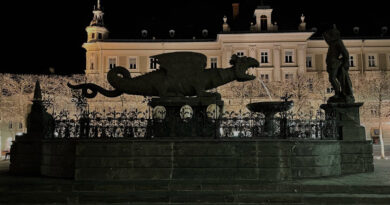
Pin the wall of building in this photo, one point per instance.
(275, 70)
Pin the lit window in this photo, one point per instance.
(264, 77)
(132, 63)
(112, 63)
(351, 61)
(329, 90)
(289, 77)
(288, 57)
(310, 85)
(309, 61)
(264, 57)
(263, 23)
(214, 62)
(153, 63)
(371, 61)
(240, 54)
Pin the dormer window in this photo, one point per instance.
(264, 22)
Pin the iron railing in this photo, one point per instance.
(137, 124)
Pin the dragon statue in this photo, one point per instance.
(180, 74)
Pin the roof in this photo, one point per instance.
(263, 7)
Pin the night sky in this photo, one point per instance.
(50, 33)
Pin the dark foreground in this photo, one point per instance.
(366, 188)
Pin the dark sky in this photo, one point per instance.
(51, 33)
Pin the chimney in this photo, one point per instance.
(236, 9)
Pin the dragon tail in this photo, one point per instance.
(90, 90)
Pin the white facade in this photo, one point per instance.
(283, 56)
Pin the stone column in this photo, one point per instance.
(301, 58)
(276, 62)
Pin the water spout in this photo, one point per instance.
(265, 88)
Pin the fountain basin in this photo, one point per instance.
(270, 107)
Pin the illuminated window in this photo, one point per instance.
(153, 63)
(132, 63)
(264, 77)
(263, 22)
(309, 61)
(264, 57)
(371, 61)
(240, 53)
(289, 77)
(214, 62)
(288, 57)
(111, 63)
(351, 61)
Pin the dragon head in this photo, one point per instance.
(241, 65)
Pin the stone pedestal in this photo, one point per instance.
(26, 154)
(347, 118)
(199, 125)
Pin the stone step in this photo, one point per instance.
(33, 186)
(189, 197)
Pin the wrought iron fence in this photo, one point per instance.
(137, 124)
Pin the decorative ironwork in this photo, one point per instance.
(137, 124)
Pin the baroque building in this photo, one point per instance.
(284, 56)
(291, 62)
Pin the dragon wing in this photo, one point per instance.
(180, 64)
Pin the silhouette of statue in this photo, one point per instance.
(337, 62)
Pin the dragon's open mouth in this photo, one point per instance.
(245, 70)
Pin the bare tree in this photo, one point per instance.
(376, 91)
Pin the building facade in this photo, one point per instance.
(283, 56)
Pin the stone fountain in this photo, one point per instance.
(177, 153)
(269, 110)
